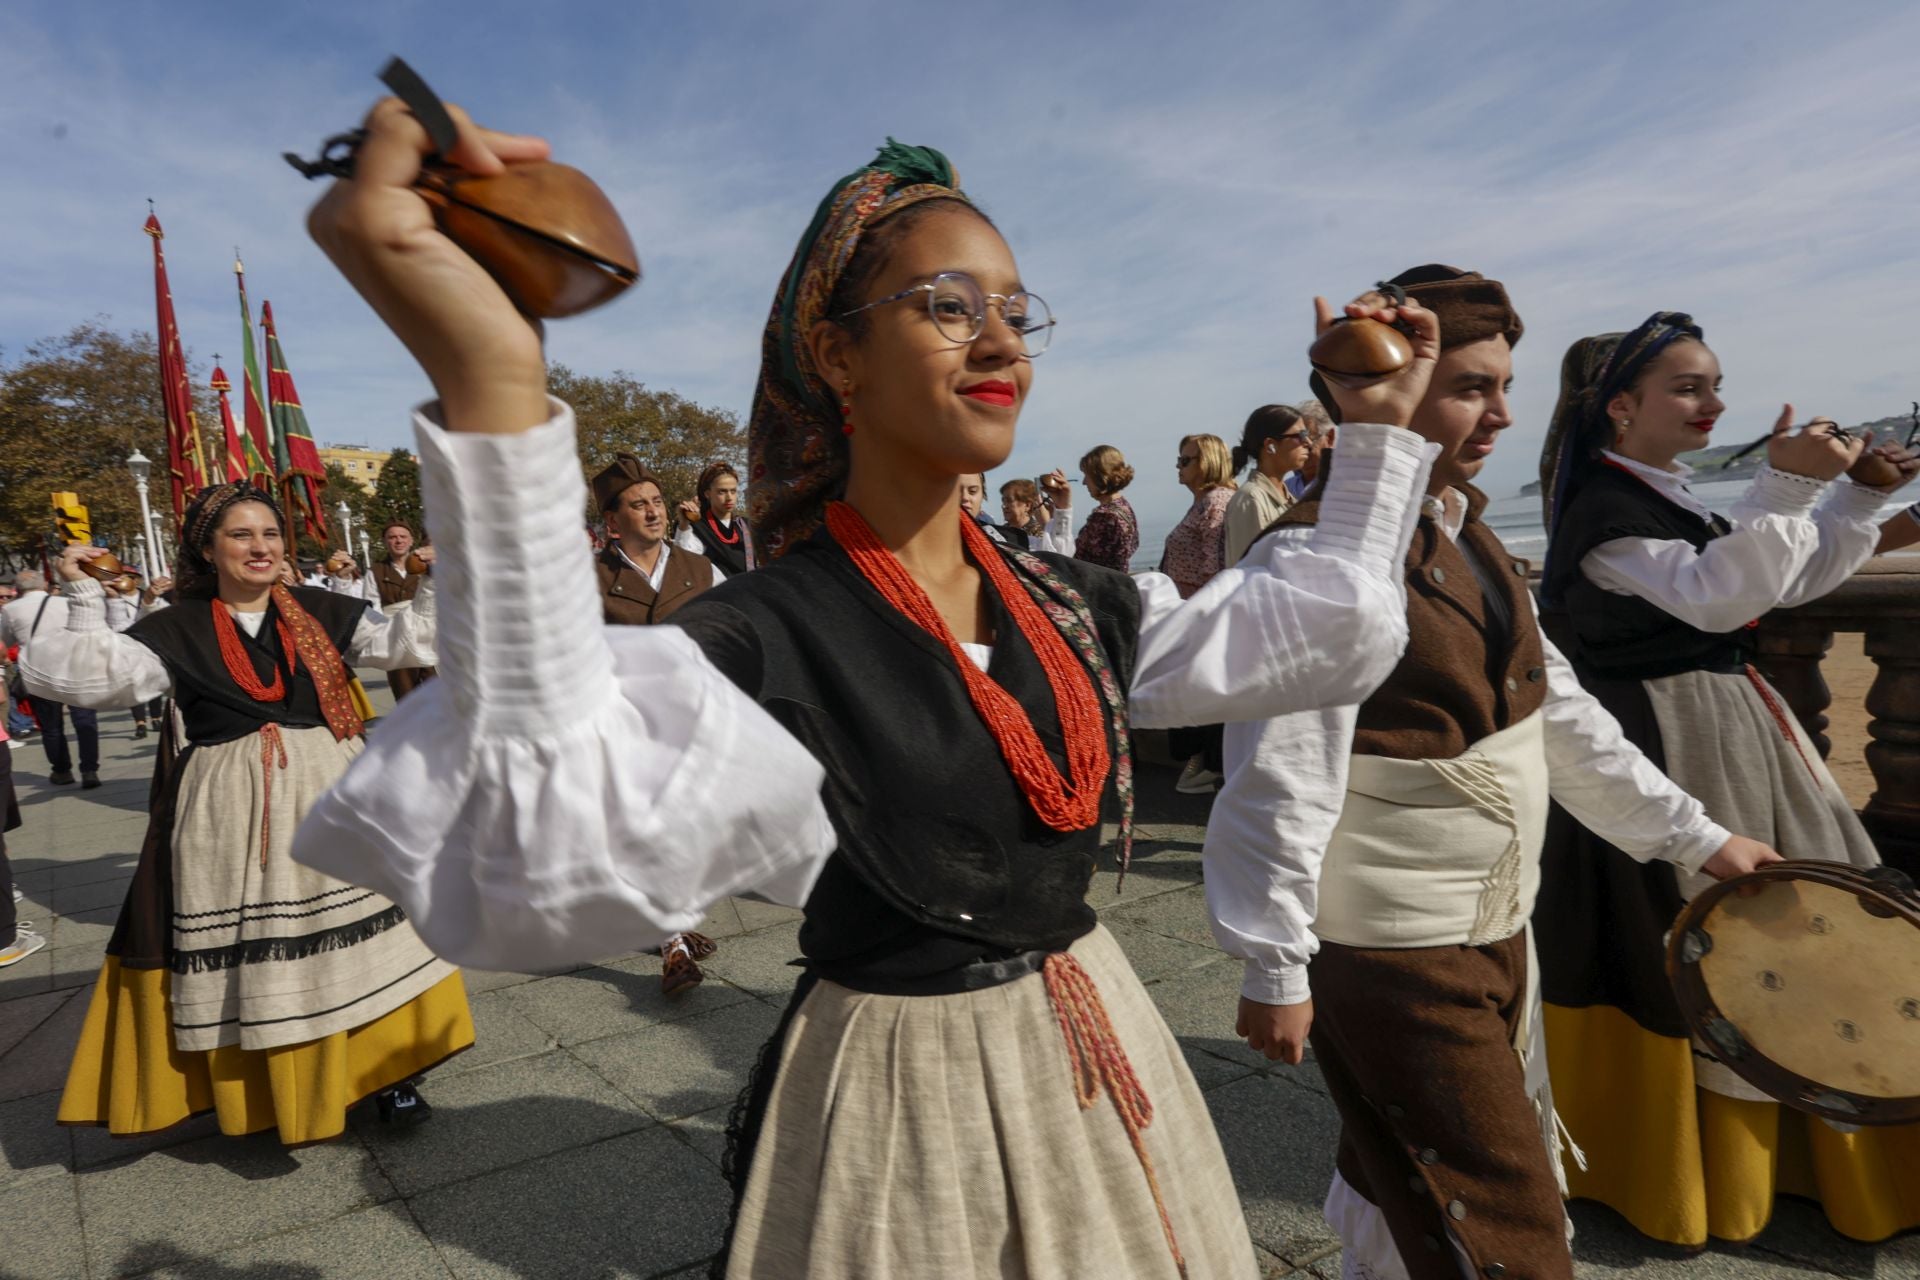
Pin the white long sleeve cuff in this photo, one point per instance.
(1300, 622)
(88, 664)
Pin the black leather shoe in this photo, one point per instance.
(140, 730)
(61, 777)
(88, 781)
(402, 1105)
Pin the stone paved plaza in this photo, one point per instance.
(581, 1136)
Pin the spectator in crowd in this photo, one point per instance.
(1274, 443)
(1195, 551)
(1047, 524)
(644, 579)
(17, 940)
(1111, 534)
(36, 611)
(397, 583)
(713, 527)
(1319, 426)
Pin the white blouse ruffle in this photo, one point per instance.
(569, 790)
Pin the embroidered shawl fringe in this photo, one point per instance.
(257, 950)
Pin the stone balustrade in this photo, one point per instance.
(1881, 601)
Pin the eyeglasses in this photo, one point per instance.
(958, 307)
(1185, 461)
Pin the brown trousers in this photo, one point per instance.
(1437, 1129)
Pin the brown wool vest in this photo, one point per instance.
(628, 599)
(1460, 679)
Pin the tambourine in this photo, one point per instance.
(1356, 350)
(545, 232)
(1809, 988)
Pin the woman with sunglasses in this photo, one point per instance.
(1274, 443)
(969, 1081)
(1660, 595)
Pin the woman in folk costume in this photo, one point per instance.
(1659, 597)
(236, 980)
(713, 526)
(969, 1081)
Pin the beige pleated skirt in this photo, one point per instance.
(942, 1137)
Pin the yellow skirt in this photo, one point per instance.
(127, 1075)
(362, 704)
(1682, 1163)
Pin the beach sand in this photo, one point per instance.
(1849, 673)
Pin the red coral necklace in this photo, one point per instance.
(233, 651)
(1065, 804)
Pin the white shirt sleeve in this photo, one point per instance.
(1609, 785)
(388, 642)
(1780, 552)
(1286, 782)
(566, 790)
(1295, 625)
(1057, 537)
(87, 664)
(687, 541)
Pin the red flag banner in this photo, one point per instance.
(300, 467)
(186, 472)
(258, 442)
(236, 454)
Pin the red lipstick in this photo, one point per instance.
(1702, 424)
(994, 392)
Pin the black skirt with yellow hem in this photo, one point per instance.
(1679, 1161)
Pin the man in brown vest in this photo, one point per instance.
(1376, 865)
(643, 579)
(396, 584)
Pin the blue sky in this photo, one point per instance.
(1177, 181)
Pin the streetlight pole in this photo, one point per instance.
(141, 467)
(140, 556)
(346, 527)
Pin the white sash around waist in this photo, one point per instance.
(1433, 853)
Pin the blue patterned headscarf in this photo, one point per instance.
(1595, 370)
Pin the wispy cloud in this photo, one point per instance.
(1177, 183)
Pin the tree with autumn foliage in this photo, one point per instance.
(72, 408)
(674, 436)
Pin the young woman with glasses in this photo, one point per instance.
(938, 726)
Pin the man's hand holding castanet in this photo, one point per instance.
(483, 356)
(1392, 398)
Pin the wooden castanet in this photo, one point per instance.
(106, 567)
(338, 563)
(415, 564)
(1356, 350)
(544, 231)
(1874, 471)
